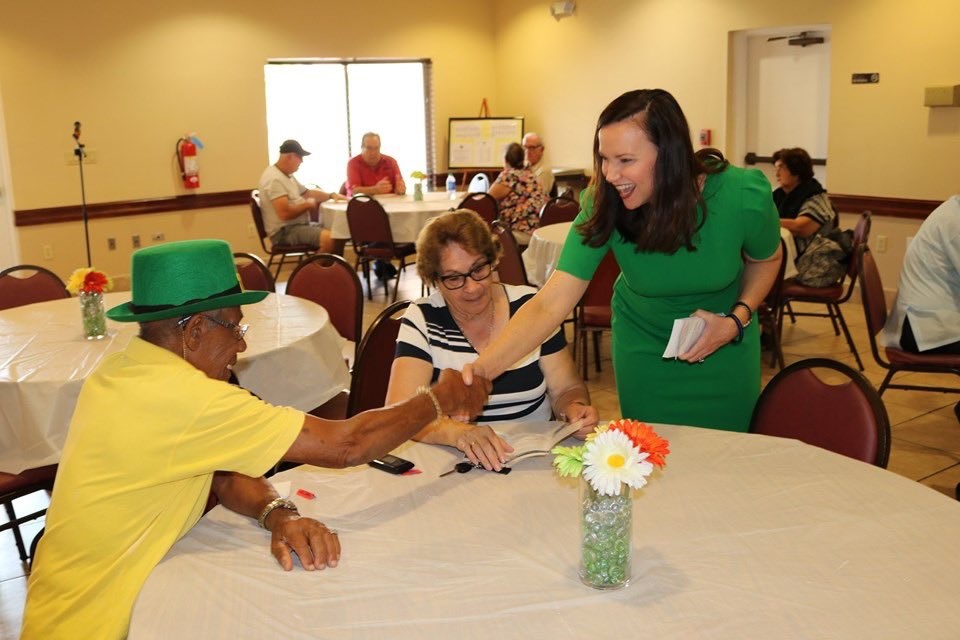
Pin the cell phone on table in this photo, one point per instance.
(391, 464)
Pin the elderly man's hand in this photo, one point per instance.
(317, 546)
(456, 398)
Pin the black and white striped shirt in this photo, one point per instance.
(429, 332)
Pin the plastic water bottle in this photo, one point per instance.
(451, 187)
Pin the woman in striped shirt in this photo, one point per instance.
(458, 255)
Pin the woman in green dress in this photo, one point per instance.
(693, 236)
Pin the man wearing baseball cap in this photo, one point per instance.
(287, 205)
(157, 428)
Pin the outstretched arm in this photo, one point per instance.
(530, 326)
(345, 443)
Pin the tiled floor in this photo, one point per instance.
(926, 436)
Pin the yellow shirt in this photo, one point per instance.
(147, 435)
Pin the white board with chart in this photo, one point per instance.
(479, 142)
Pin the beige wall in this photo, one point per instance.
(882, 140)
(141, 76)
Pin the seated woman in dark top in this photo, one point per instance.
(805, 210)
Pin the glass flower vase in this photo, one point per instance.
(418, 190)
(605, 547)
(93, 315)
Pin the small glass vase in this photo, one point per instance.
(418, 191)
(605, 547)
(93, 315)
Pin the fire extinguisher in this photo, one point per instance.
(187, 159)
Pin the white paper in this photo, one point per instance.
(686, 331)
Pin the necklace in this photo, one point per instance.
(493, 314)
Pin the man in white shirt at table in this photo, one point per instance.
(533, 159)
(287, 205)
(157, 428)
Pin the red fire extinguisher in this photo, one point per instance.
(187, 159)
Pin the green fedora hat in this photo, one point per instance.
(181, 278)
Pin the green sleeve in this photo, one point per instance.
(761, 222)
(578, 259)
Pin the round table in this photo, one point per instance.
(540, 258)
(294, 357)
(407, 216)
(740, 536)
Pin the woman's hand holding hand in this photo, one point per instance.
(719, 331)
(482, 445)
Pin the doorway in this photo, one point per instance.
(780, 95)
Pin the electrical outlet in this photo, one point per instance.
(136, 242)
(48, 252)
(112, 244)
(158, 237)
(881, 244)
(251, 231)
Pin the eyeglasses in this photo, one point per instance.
(239, 330)
(457, 280)
(532, 146)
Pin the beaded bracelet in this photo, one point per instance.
(427, 391)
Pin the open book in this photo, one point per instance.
(531, 439)
(528, 439)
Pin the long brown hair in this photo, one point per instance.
(668, 220)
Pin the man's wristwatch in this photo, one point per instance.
(279, 503)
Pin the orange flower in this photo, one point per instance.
(645, 439)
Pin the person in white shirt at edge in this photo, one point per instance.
(287, 205)
(533, 158)
(926, 313)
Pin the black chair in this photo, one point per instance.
(897, 360)
(558, 210)
(767, 311)
(275, 251)
(254, 274)
(846, 417)
(832, 296)
(484, 204)
(371, 372)
(27, 283)
(510, 269)
(13, 486)
(373, 240)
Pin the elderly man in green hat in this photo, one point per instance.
(157, 427)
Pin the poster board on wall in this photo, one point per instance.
(479, 142)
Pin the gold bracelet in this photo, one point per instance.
(427, 391)
(278, 503)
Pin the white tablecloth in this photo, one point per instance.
(540, 258)
(293, 357)
(407, 216)
(741, 536)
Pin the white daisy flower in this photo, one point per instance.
(611, 459)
